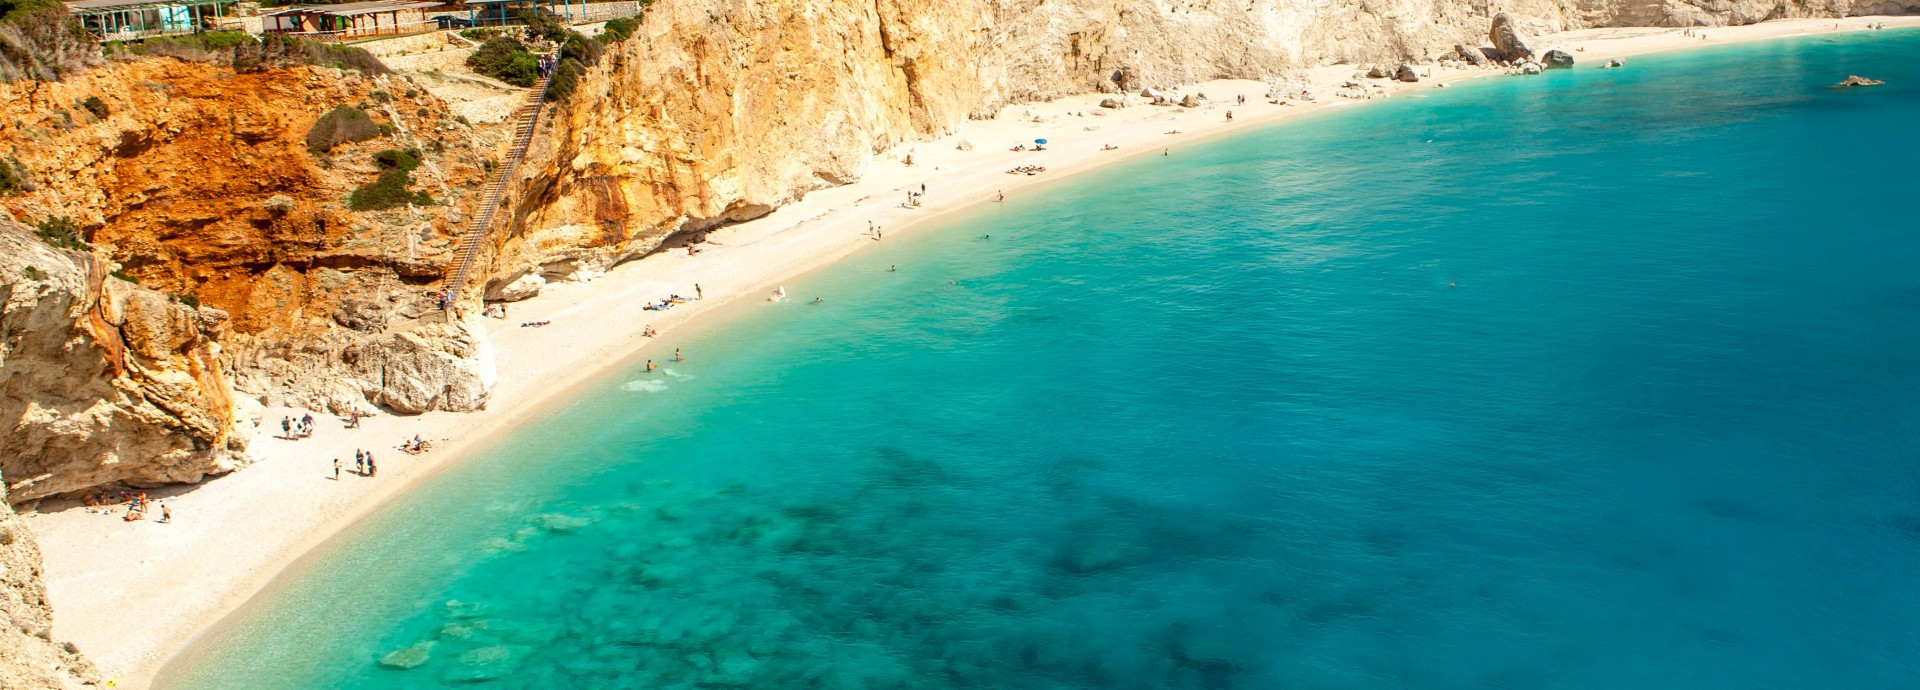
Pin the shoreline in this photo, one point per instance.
(134, 596)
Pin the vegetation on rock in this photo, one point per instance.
(338, 126)
(37, 42)
(98, 107)
(61, 232)
(390, 189)
(507, 60)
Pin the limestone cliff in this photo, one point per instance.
(102, 380)
(29, 658)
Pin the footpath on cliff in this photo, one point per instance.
(231, 536)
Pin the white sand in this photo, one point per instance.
(132, 595)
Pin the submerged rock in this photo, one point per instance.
(485, 664)
(411, 656)
(1855, 80)
(1557, 59)
(1617, 62)
(561, 524)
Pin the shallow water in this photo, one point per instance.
(1603, 379)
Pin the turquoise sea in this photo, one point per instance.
(1600, 379)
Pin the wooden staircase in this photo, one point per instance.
(526, 120)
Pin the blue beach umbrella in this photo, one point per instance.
(1040, 141)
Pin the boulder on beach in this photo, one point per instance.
(1530, 67)
(1856, 80)
(1557, 59)
(1472, 54)
(964, 145)
(1378, 72)
(1407, 73)
(1506, 39)
(1190, 102)
(1110, 103)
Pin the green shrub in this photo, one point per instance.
(123, 276)
(339, 126)
(390, 188)
(566, 77)
(507, 60)
(61, 232)
(39, 42)
(479, 34)
(13, 176)
(544, 26)
(32, 273)
(98, 107)
(380, 96)
(618, 30)
(286, 51)
(190, 301)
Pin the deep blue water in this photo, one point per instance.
(1601, 379)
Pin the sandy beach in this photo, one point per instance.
(132, 595)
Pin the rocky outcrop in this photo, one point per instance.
(1556, 59)
(1855, 80)
(102, 380)
(29, 657)
(442, 366)
(1406, 73)
(1507, 41)
(1473, 55)
(198, 182)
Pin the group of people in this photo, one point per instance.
(291, 428)
(1028, 170)
(135, 501)
(669, 302)
(414, 446)
(496, 310)
(363, 464)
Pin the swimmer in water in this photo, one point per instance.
(650, 365)
(677, 357)
(818, 300)
(891, 268)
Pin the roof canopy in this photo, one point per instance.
(97, 6)
(350, 9)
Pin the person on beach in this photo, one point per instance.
(286, 428)
(698, 293)
(372, 469)
(1164, 152)
(336, 469)
(1003, 196)
(359, 464)
(166, 514)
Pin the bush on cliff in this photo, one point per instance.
(98, 107)
(618, 30)
(13, 176)
(339, 126)
(507, 60)
(61, 232)
(37, 42)
(284, 51)
(575, 55)
(390, 189)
